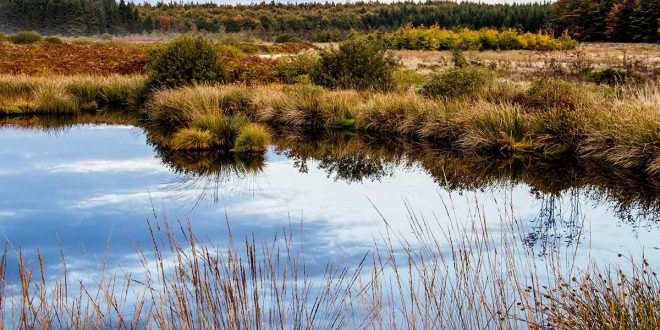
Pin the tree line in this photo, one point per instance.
(74, 17)
(590, 20)
(611, 20)
(330, 21)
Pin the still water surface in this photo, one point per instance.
(89, 185)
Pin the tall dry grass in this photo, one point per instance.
(457, 275)
(68, 94)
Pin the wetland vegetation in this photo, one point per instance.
(506, 109)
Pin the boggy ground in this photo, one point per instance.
(548, 117)
(85, 57)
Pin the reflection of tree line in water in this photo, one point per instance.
(354, 158)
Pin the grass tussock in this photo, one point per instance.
(457, 81)
(192, 139)
(609, 299)
(252, 139)
(180, 107)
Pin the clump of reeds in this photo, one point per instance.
(609, 299)
(253, 139)
(180, 107)
(52, 99)
(192, 139)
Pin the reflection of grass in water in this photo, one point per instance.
(460, 275)
(352, 158)
(357, 157)
(59, 124)
(204, 175)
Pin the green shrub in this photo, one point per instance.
(253, 138)
(53, 40)
(3, 37)
(184, 61)
(406, 79)
(546, 94)
(358, 63)
(609, 76)
(287, 38)
(459, 59)
(291, 68)
(457, 81)
(27, 37)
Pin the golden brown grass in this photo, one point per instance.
(522, 64)
(549, 118)
(68, 94)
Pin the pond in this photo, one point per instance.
(91, 189)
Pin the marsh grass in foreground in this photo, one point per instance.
(418, 281)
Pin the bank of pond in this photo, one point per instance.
(546, 118)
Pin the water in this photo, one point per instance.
(91, 188)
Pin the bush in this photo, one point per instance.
(547, 94)
(25, 37)
(457, 81)
(407, 79)
(3, 37)
(53, 40)
(253, 138)
(358, 63)
(610, 76)
(184, 61)
(459, 59)
(287, 38)
(291, 68)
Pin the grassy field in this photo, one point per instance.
(521, 63)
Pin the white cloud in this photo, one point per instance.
(7, 214)
(128, 198)
(97, 166)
